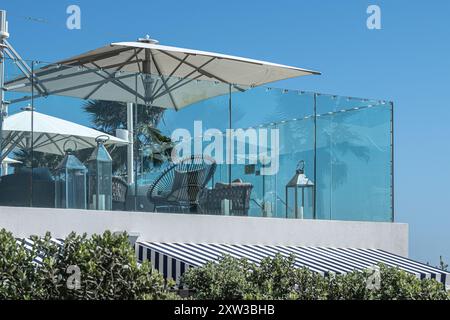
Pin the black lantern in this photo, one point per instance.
(299, 181)
(70, 182)
(100, 176)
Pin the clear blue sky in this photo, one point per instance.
(408, 62)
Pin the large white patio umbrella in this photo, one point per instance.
(49, 134)
(145, 72)
(120, 72)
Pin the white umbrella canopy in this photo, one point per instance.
(146, 72)
(49, 134)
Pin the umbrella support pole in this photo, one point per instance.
(7, 49)
(230, 142)
(3, 36)
(130, 147)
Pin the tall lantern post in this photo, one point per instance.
(299, 182)
(70, 182)
(100, 176)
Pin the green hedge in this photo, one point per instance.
(107, 269)
(106, 263)
(277, 278)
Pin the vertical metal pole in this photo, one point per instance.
(134, 120)
(84, 193)
(392, 165)
(303, 204)
(130, 146)
(263, 206)
(315, 158)
(97, 179)
(32, 132)
(286, 203)
(229, 135)
(66, 188)
(148, 85)
(331, 169)
(3, 35)
(296, 202)
(2, 98)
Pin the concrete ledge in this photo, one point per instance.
(161, 227)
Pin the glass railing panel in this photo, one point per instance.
(65, 132)
(191, 124)
(273, 138)
(285, 117)
(264, 105)
(16, 183)
(66, 123)
(297, 149)
(354, 159)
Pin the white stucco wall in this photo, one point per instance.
(392, 237)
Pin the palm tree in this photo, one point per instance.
(108, 116)
(35, 159)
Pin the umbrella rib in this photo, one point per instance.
(60, 77)
(171, 74)
(85, 141)
(185, 78)
(121, 65)
(141, 75)
(154, 86)
(174, 86)
(124, 63)
(164, 83)
(53, 68)
(112, 74)
(96, 57)
(35, 143)
(61, 138)
(137, 62)
(205, 73)
(74, 88)
(12, 146)
(8, 138)
(25, 70)
(119, 83)
(54, 142)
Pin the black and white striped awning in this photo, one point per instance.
(28, 244)
(173, 259)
